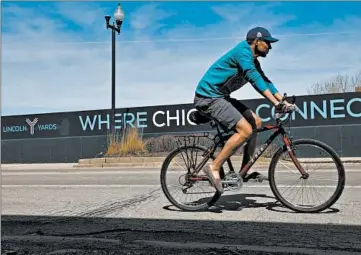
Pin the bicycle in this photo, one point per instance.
(233, 181)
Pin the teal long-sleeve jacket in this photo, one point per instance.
(232, 71)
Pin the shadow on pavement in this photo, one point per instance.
(55, 235)
(238, 202)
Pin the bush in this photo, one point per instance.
(164, 143)
(126, 143)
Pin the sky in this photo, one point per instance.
(56, 56)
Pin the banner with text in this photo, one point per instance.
(317, 110)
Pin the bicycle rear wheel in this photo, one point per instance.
(180, 166)
(328, 164)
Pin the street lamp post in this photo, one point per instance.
(118, 16)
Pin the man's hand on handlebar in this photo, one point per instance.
(281, 106)
(286, 107)
(289, 107)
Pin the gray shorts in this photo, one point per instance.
(228, 111)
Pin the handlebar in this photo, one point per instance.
(280, 110)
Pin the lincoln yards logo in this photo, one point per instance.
(32, 126)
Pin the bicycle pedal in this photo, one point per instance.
(232, 182)
(259, 180)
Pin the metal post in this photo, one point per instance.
(113, 84)
(119, 15)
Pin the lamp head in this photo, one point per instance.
(119, 14)
(119, 23)
(107, 19)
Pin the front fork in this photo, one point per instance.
(291, 152)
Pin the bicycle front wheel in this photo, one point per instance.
(320, 190)
(181, 186)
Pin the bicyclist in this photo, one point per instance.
(229, 73)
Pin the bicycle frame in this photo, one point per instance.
(279, 130)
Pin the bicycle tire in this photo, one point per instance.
(164, 169)
(341, 174)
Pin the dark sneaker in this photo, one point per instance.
(255, 176)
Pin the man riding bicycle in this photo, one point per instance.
(229, 73)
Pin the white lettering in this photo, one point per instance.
(154, 115)
(118, 121)
(355, 115)
(101, 122)
(256, 155)
(14, 129)
(88, 122)
(323, 112)
(188, 114)
(303, 114)
(144, 124)
(172, 118)
(333, 108)
(47, 127)
(183, 118)
(130, 122)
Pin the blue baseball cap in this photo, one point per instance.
(260, 33)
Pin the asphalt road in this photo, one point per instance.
(105, 211)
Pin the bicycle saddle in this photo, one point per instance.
(200, 118)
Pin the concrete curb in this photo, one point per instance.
(120, 165)
(157, 162)
(146, 162)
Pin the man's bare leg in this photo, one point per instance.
(244, 130)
